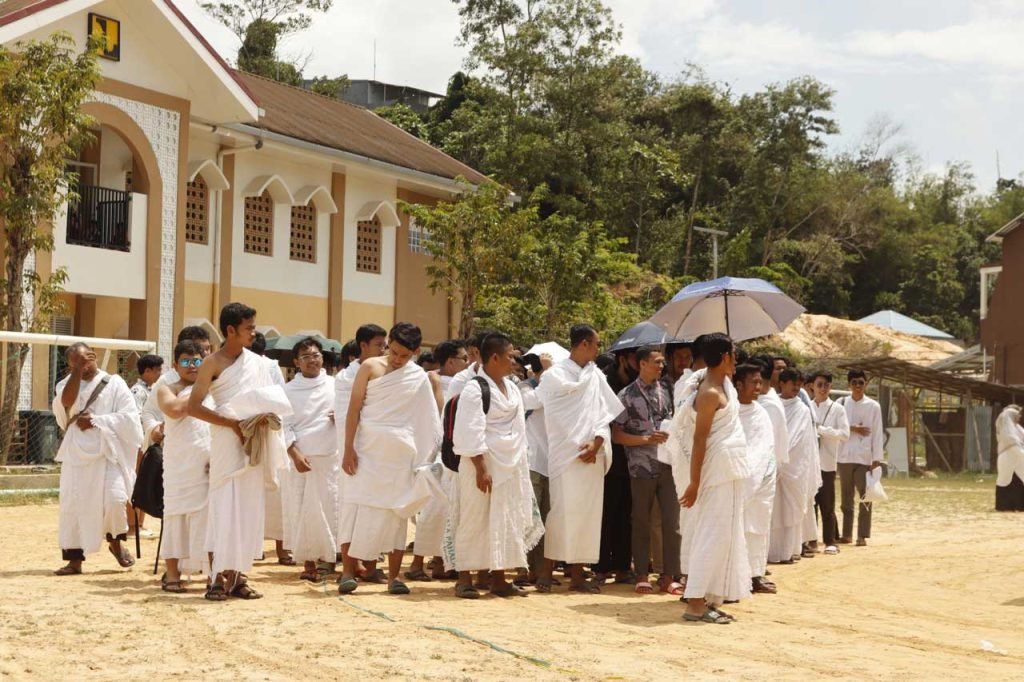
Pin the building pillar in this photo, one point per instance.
(336, 267)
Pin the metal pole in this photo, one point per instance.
(715, 234)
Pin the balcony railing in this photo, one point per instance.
(100, 218)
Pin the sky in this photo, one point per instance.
(949, 72)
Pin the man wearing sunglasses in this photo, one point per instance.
(859, 455)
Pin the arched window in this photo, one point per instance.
(259, 225)
(302, 245)
(368, 245)
(197, 211)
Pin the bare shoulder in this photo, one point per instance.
(435, 379)
(710, 396)
(374, 367)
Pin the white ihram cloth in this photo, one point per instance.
(536, 431)
(757, 512)
(186, 450)
(343, 383)
(1010, 441)
(97, 470)
(491, 531)
(150, 413)
(578, 406)
(714, 549)
(794, 493)
(772, 404)
(273, 523)
(399, 431)
(459, 381)
(311, 499)
(237, 490)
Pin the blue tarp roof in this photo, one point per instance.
(890, 319)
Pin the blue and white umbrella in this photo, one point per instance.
(742, 308)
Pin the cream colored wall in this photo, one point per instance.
(103, 272)
(199, 301)
(288, 313)
(356, 313)
(378, 289)
(278, 271)
(115, 160)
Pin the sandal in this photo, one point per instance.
(722, 613)
(543, 585)
(466, 591)
(674, 588)
(172, 586)
(243, 591)
(644, 588)
(585, 588)
(710, 616)
(762, 586)
(347, 585)
(377, 577)
(68, 570)
(215, 593)
(124, 558)
(508, 590)
(419, 575)
(311, 576)
(831, 549)
(285, 561)
(398, 587)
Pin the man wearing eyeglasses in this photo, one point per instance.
(859, 455)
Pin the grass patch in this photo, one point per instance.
(17, 498)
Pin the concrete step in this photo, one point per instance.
(29, 481)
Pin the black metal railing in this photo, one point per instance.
(100, 218)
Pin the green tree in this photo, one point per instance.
(329, 87)
(43, 85)
(403, 116)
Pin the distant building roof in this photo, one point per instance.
(1006, 229)
(890, 319)
(304, 115)
(407, 88)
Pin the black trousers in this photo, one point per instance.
(76, 553)
(825, 501)
(616, 517)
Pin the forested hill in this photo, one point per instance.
(628, 162)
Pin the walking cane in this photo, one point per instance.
(160, 541)
(138, 545)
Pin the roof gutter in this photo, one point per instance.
(435, 181)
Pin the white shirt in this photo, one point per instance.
(833, 431)
(863, 449)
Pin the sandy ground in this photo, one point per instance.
(822, 336)
(942, 574)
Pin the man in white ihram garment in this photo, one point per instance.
(757, 511)
(372, 341)
(579, 407)
(186, 478)
(238, 381)
(492, 513)
(102, 436)
(311, 485)
(273, 518)
(718, 567)
(392, 428)
(798, 479)
(1010, 443)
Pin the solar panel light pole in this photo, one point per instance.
(715, 234)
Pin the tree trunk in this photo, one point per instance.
(691, 217)
(9, 407)
(13, 312)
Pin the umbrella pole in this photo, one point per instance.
(725, 297)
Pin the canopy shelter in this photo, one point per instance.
(890, 319)
(950, 415)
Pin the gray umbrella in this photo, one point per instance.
(643, 334)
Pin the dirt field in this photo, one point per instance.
(942, 575)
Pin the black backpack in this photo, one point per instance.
(148, 494)
(448, 456)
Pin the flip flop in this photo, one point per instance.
(644, 588)
(124, 559)
(418, 575)
(398, 587)
(68, 570)
(243, 591)
(466, 591)
(508, 590)
(585, 588)
(710, 616)
(215, 593)
(831, 549)
(347, 585)
(675, 589)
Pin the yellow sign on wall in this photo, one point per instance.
(108, 33)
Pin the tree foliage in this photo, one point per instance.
(43, 85)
